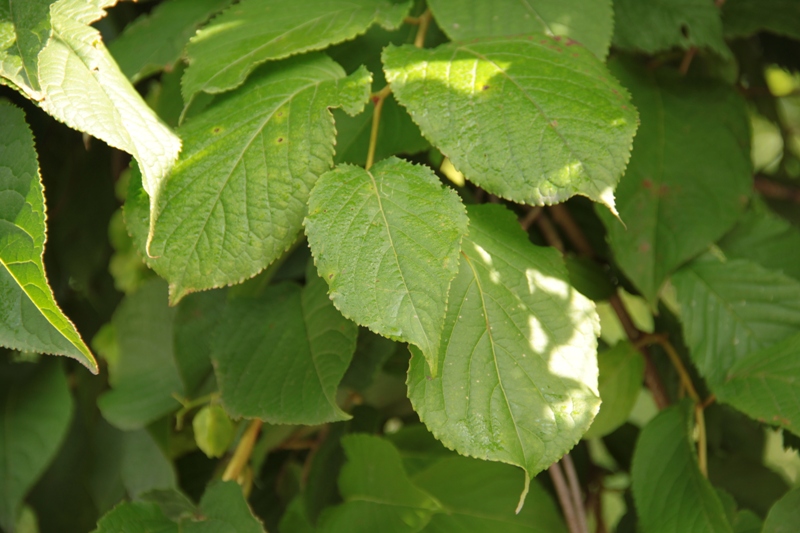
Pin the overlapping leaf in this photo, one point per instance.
(621, 370)
(251, 32)
(24, 30)
(29, 315)
(280, 357)
(766, 384)
(784, 515)
(589, 22)
(224, 510)
(155, 41)
(386, 241)
(742, 18)
(532, 119)
(665, 458)
(652, 26)
(730, 309)
(688, 178)
(237, 197)
(130, 517)
(518, 367)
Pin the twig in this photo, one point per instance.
(530, 217)
(563, 497)
(424, 22)
(563, 218)
(776, 190)
(575, 492)
(377, 99)
(549, 232)
(687, 60)
(243, 451)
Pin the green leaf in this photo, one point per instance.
(386, 241)
(280, 357)
(652, 26)
(671, 494)
(534, 120)
(621, 371)
(742, 18)
(731, 309)
(766, 384)
(378, 494)
(213, 430)
(295, 519)
(29, 315)
(747, 521)
(688, 179)
(251, 32)
(589, 22)
(84, 88)
(35, 411)
(237, 197)
(518, 379)
(144, 466)
(479, 497)
(146, 375)
(24, 30)
(195, 325)
(155, 42)
(225, 511)
(372, 351)
(784, 515)
(136, 517)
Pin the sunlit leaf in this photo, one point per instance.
(24, 30)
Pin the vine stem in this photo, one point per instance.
(377, 99)
(564, 498)
(575, 492)
(424, 21)
(243, 451)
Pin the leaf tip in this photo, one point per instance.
(524, 494)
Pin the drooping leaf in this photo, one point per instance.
(688, 179)
(589, 22)
(251, 32)
(237, 197)
(479, 497)
(84, 88)
(532, 119)
(24, 30)
(518, 367)
(35, 412)
(731, 309)
(652, 26)
(784, 515)
(30, 318)
(146, 375)
(766, 384)
(195, 325)
(144, 466)
(225, 510)
(742, 18)
(136, 517)
(386, 241)
(378, 494)
(155, 42)
(670, 492)
(280, 357)
(621, 370)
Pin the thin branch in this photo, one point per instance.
(702, 446)
(776, 190)
(687, 60)
(530, 217)
(675, 359)
(243, 451)
(563, 218)
(564, 498)
(575, 492)
(549, 232)
(424, 22)
(377, 99)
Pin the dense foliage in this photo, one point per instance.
(400, 266)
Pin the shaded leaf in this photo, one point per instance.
(225, 510)
(35, 412)
(742, 18)
(671, 494)
(30, 318)
(144, 466)
(621, 371)
(194, 327)
(155, 42)
(136, 517)
(518, 373)
(534, 120)
(732, 309)
(386, 241)
(251, 32)
(280, 357)
(237, 197)
(372, 351)
(589, 22)
(784, 515)
(689, 175)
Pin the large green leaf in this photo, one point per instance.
(742, 18)
(84, 88)
(589, 22)
(479, 497)
(155, 41)
(24, 30)
(29, 315)
(225, 510)
(784, 515)
(251, 32)
(766, 384)
(688, 178)
(518, 367)
(136, 517)
(35, 411)
(386, 241)
(280, 356)
(378, 494)
(671, 494)
(237, 197)
(652, 26)
(146, 375)
(621, 370)
(144, 466)
(731, 309)
(534, 120)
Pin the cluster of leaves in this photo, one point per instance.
(339, 262)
